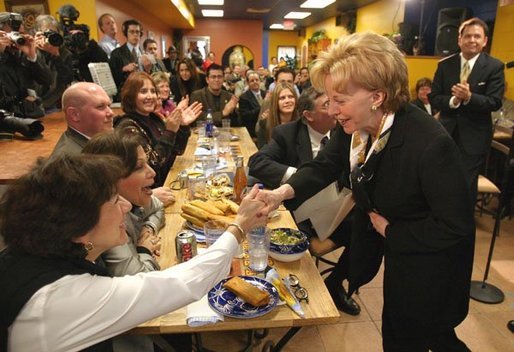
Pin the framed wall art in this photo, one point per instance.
(29, 9)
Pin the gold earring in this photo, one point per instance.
(89, 246)
(374, 107)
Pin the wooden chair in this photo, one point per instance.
(319, 249)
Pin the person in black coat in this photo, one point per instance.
(291, 145)
(423, 88)
(250, 103)
(409, 186)
(467, 96)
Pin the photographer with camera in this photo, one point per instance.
(20, 69)
(76, 39)
(50, 46)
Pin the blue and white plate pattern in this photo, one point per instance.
(290, 248)
(228, 304)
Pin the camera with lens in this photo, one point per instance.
(30, 128)
(53, 38)
(76, 36)
(16, 38)
(14, 21)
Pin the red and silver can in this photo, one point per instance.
(185, 245)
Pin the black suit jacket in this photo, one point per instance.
(471, 122)
(290, 145)
(419, 187)
(420, 105)
(120, 57)
(249, 109)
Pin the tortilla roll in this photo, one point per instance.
(208, 207)
(247, 292)
(195, 211)
(195, 221)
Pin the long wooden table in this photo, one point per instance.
(319, 310)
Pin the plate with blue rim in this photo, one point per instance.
(198, 232)
(228, 304)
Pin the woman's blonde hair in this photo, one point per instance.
(274, 115)
(368, 60)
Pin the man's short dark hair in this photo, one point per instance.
(213, 67)
(148, 41)
(284, 70)
(306, 101)
(128, 23)
(423, 82)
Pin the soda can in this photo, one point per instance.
(185, 245)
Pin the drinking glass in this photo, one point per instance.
(212, 232)
(258, 248)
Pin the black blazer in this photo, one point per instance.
(120, 57)
(420, 105)
(419, 186)
(290, 145)
(472, 121)
(249, 109)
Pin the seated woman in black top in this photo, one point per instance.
(163, 139)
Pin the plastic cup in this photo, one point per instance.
(258, 248)
(225, 123)
(212, 232)
(196, 187)
(209, 164)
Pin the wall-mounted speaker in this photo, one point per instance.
(348, 20)
(448, 23)
(301, 32)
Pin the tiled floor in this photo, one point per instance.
(484, 329)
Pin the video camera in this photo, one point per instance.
(13, 20)
(76, 36)
(53, 38)
(30, 128)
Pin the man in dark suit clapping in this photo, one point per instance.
(467, 87)
(250, 102)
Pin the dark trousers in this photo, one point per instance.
(414, 341)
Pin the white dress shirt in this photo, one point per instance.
(108, 44)
(78, 311)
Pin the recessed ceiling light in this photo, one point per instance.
(276, 26)
(297, 15)
(316, 4)
(210, 2)
(212, 13)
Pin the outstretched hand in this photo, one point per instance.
(191, 113)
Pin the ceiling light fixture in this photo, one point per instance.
(316, 4)
(212, 13)
(210, 2)
(297, 15)
(276, 26)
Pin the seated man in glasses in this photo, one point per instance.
(221, 103)
(291, 145)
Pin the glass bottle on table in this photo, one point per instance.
(240, 180)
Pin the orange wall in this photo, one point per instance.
(227, 33)
(128, 11)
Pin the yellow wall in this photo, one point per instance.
(381, 17)
(281, 38)
(418, 67)
(503, 46)
(2, 7)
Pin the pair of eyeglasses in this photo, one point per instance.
(299, 291)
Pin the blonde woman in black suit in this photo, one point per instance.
(408, 183)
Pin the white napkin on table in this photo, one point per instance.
(199, 313)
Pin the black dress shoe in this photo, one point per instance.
(510, 325)
(341, 299)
